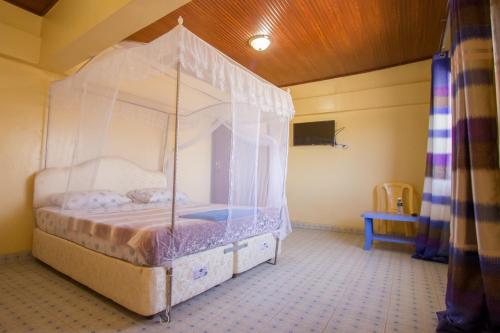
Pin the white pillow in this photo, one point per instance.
(88, 199)
(152, 195)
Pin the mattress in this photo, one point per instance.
(141, 233)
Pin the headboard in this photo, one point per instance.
(106, 173)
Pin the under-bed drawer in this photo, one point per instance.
(196, 273)
(250, 252)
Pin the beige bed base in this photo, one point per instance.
(144, 290)
(253, 251)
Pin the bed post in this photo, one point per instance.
(165, 316)
(170, 272)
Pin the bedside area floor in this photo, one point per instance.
(324, 282)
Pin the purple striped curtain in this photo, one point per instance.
(433, 234)
(473, 292)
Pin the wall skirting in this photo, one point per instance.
(13, 257)
(302, 225)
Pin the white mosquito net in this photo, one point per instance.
(217, 133)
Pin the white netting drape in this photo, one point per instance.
(218, 133)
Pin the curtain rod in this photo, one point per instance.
(445, 32)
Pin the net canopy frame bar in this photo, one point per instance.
(178, 106)
(167, 314)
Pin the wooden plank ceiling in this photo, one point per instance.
(313, 39)
(38, 7)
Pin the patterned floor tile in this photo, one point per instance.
(324, 282)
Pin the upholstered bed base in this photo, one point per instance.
(253, 251)
(140, 289)
(144, 289)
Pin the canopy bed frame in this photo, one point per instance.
(138, 122)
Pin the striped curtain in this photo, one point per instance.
(473, 292)
(433, 234)
(495, 30)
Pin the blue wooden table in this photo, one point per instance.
(370, 236)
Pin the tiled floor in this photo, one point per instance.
(324, 282)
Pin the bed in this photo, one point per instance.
(177, 121)
(122, 252)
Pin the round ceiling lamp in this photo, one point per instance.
(259, 42)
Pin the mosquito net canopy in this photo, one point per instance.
(217, 133)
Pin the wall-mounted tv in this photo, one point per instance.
(315, 133)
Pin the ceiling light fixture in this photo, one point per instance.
(259, 42)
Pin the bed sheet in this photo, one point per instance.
(141, 233)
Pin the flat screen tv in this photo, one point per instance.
(315, 133)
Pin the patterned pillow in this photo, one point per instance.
(88, 199)
(152, 195)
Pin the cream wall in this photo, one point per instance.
(73, 30)
(23, 96)
(194, 167)
(20, 33)
(385, 115)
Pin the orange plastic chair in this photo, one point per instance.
(386, 200)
